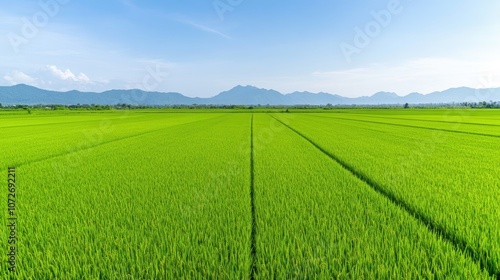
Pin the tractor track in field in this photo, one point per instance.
(438, 121)
(59, 123)
(253, 246)
(479, 256)
(415, 126)
(103, 143)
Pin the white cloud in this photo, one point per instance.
(67, 74)
(52, 78)
(17, 77)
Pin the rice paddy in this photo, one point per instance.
(343, 194)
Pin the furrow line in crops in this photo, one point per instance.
(42, 124)
(438, 121)
(56, 123)
(253, 246)
(415, 126)
(102, 143)
(479, 256)
(87, 148)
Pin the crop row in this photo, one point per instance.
(448, 122)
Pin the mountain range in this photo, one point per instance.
(239, 95)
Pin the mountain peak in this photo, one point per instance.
(244, 87)
(24, 86)
(249, 95)
(385, 94)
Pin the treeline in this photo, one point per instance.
(484, 104)
(124, 106)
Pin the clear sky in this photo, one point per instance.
(203, 47)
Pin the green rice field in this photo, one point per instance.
(317, 194)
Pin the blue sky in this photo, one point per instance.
(203, 47)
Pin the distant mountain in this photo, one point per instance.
(28, 95)
(301, 98)
(379, 98)
(239, 95)
(248, 96)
